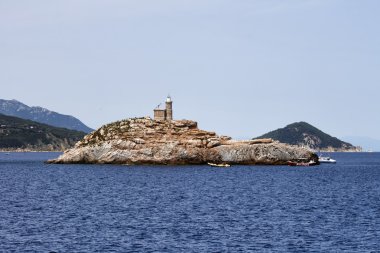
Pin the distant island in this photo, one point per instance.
(165, 141)
(306, 135)
(41, 115)
(18, 134)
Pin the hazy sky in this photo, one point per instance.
(238, 67)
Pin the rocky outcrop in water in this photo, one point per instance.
(147, 141)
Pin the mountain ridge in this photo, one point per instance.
(42, 115)
(303, 134)
(17, 133)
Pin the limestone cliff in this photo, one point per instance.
(147, 141)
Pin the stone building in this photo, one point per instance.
(164, 114)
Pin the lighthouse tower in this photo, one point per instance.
(169, 108)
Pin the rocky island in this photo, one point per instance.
(180, 142)
(165, 141)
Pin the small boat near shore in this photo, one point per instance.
(219, 164)
(326, 159)
(304, 164)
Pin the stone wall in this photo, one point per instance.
(159, 114)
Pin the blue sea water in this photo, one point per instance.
(103, 208)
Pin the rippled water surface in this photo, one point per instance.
(102, 208)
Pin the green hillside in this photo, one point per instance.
(16, 133)
(304, 134)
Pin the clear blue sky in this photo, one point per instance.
(238, 67)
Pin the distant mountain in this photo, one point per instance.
(41, 115)
(367, 143)
(17, 133)
(304, 134)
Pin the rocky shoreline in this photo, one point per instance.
(176, 142)
(30, 150)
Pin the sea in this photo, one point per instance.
(112, 208)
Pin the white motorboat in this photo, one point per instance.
(326, 159)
